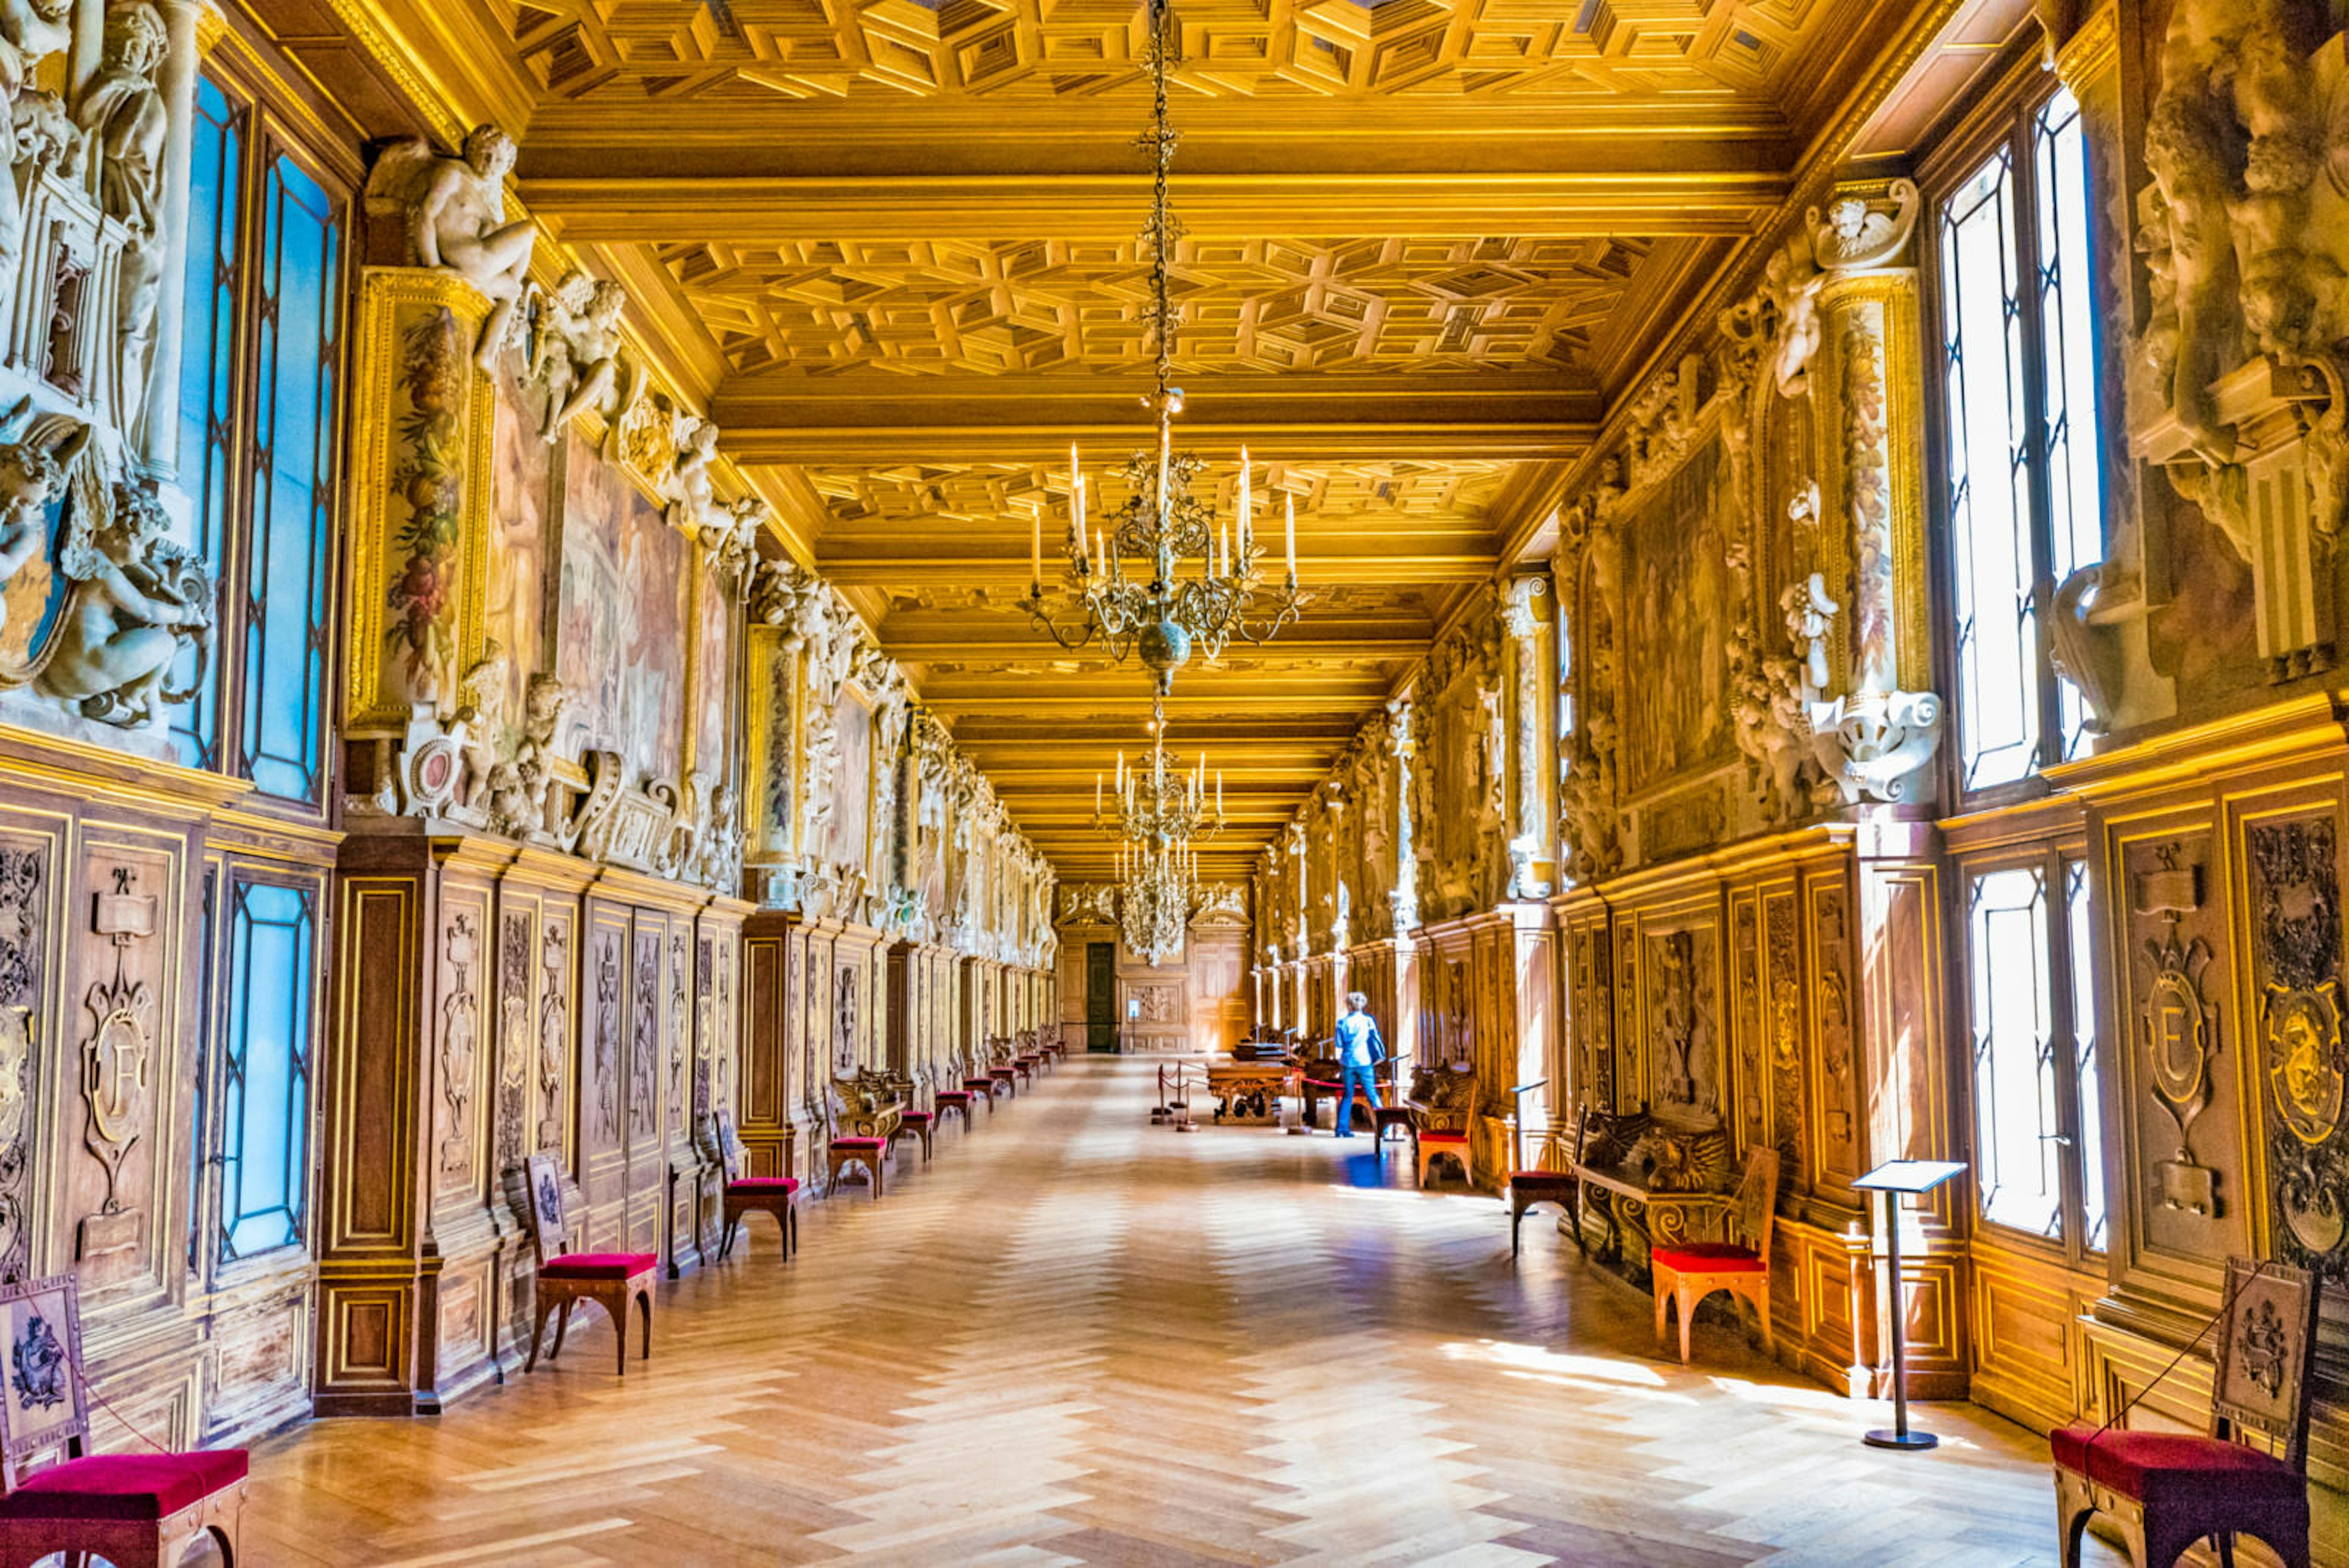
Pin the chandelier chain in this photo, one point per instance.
(1174, 608)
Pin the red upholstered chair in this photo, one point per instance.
(943, 1100)
(2166, 1491)
(1739, 1264)
(912, 1122)
(1001, 1069)
(842, 1150)
(610, 1280)
(982, 1079)
(1038, 1059)
(775, 1195)
(135, 1509)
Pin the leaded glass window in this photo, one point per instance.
(2022, 481)
(204, 444)
(2032, 1023)
(265, 1091)
(298, 352)
(2013, 1021)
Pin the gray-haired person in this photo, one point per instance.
(1360, 1049)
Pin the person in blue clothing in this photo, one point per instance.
(1360, 1049)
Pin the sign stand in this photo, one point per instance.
(1895, 1179)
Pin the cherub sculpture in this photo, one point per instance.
(31, 477)
(692, 504)
(518, 788)
(138, 600)
(481, 719)
(577, 352)
(455, 209)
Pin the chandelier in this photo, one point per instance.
(1156, 817)
(1167, 607)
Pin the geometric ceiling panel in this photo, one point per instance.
(1003, 493)
(830, 50)
(1272, 306)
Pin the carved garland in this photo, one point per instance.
(554, 1031)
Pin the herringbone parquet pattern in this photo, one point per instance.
(1078, 1339)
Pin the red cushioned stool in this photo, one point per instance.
(954, 1100)
(775, 1195)
(1685, 1274)
(1432, 1144)
(2166, 1491)
(610, 1280)
(135, 1509)
(917, 1124)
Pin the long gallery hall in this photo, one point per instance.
(1174, 782)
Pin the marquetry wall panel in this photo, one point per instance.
(497, 1003)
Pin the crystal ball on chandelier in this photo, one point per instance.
(1165, 646)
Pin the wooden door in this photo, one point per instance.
(1100, 996)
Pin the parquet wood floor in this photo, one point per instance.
(1075, 1338)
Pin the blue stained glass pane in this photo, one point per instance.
(285, 635)
(203, 455)
(266, 1077)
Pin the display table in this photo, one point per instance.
(1253, 1085)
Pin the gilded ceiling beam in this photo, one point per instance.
(1100, 207)
(861, 564)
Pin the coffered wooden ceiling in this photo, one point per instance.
(1426, 244)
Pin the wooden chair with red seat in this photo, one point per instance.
(1444, 1109)
(1535, 1184)
(610, 1280)
(775, 1195)
(2166, 1491)
(1031, 1056)
(1687, 1274)
(1003, 1068)
(842, 1150)
(134, 1509)
(958, 1100)
(981, 1080)
(914, 1119)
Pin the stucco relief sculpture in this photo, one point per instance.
(1885, 735)
(728, 529)
(519, 785)
(575, 352)
(122, 119)
(139, 601)
(2235, 141)
(455, 213)
(30, 31)
(1772, 707)
(2239, 367)
(1589, 784)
